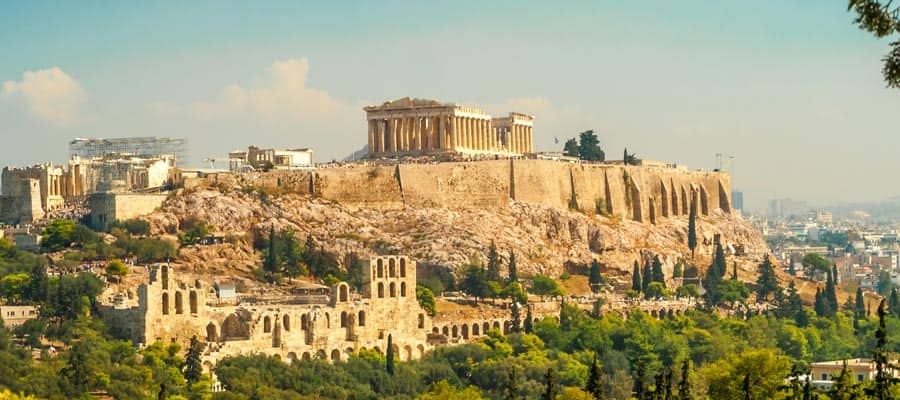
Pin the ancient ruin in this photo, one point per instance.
(418, 126)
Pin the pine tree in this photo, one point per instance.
(657, 273)
(692, 227)
(831, 293)
(684, 387)
(193, 369)
(636, 277)
(270, 265)
(640, 389)
(77, 373)
(513, 272)
(389, 364)
(823, 305)
(594, 277)
(860, 305)
(767, 282)
(527, 327)
(595, 380)
(795, 306)
(843, 387)
(550, 382)
(512, 386)
(493, 263)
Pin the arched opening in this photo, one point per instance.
(165, 277)
(335, 355)
(179, 307)
(165, 304)
(343, 293)
(496, 325)
(292, 357)
(407, 351)
(211, 334)
(327, 320)
(362, 318)
(193, 302)
(476, 330)
(393, 289)
(351, 327)
(320, 355)
(421, 350)
(435, 330)
(234, 328)
(392, 268)
(380, 290)
(343, 319)
(267, 324)
(465, 331)
(304, 322)
(486, 327)
(455, 331)
(403, 268)
(286, 321)
(380, 268)
(446, 331)
(402, 289)
(421, 321)
(305, 356)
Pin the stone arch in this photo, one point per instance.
(507, 327)
(362, 318)
(343, 292)
(393, 289)
(193, 301)
(476, 330)
(421, 349)
(179, 305)
(636, 206)
(496, 325)
(235, 328)
(378, 350)
(267, 324)
(403, 267)
(435, 330)
(485, 327)
(343, 319)
(402, 289)
(306, 356)
(165, 303)
(653, 313)
(445, 331)
(664, 199)
(408, 352)
(392, 268)
(165, 277)
(292, 357)
(286, 322)
(348, 351)
(380, 290)
(465, 331)
(335, 355)
(320, 355)
(212, 335)
(671, 313)
(421, 321)
(327, 320)
(380, 263)
(704, 201)
(454, 331)
(304, 322)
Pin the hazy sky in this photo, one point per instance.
(791, 89)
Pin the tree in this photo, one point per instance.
(15, 286)
(647, 274)
(475, 283)
(758, 373)
(831, 292)
(571, 148)
(516, 318)
(657, 272)
(426, 299)
(767, 282)
(57, 235)
(589, 147)
(894, 305)
(116, 269)
(713, 278)
(859, 308)
(640, 385)
(656, 290)
(594, 276)
(550, 383)
(389, 358)
(193, 369)
(822, 305)
(636, 278)
(271, 264)
(692, 227)
(684, 387)
(595, 380)
(546, 286)
(816, 262)
(843, 387)
(881, 19)
(884, 380)
(513, 272)
(528, 326)
(512, 386)
(793, 306)
(493, 263)
(885, 284)
(678, 271)
(686, 291)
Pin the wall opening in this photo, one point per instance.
(193, 302)
(362, 318)
(393, 289)
(402, 289)
(403, 268)
(179, 307)
(165, 304)
(380, 290)
(267, 324)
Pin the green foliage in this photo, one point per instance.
(426, 298)
(512, 270)
(595, 278)
(689, 290)
(546, 286)
(389, 358)
(571, 148)
(767, 282)
(692, 227)
(636, 283)
(494, 263)
(678, 271)
(763, 368)
(881, 19)
(15, 287)
(816, 262)
(656, 290)
(133, 226)
(64, 233)
(115, 270)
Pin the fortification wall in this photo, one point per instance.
(630, 192)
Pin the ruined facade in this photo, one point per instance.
(295, 328)
(256, 158)
(418, 126)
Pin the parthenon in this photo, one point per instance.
(418, 126)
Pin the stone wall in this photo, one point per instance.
(24, 205)
(632, 192)
(109, 207)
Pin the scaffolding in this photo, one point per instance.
(143, 147)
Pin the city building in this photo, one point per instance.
(862, 369)
(737, 200)
(418, 126)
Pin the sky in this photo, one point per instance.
(792, 90)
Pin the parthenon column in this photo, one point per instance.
(380, 136)
(371, 136)
(395, 134)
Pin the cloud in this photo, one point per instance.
(280, 94)
(50, 94)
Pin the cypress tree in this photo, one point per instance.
(270, 264)
(884, 381)
(795, 305)
(767, 282)
(594, 277)
(550, 382)
(657, 273)
(647, 274)
(513, 271)
(527, 325)
(684, 387)
(831, 292)
(389, 364)
(640, 389)
(595, 380)
(193, 369)
(636, 277)
(516, 318)
(860, 305)
(493, 263)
